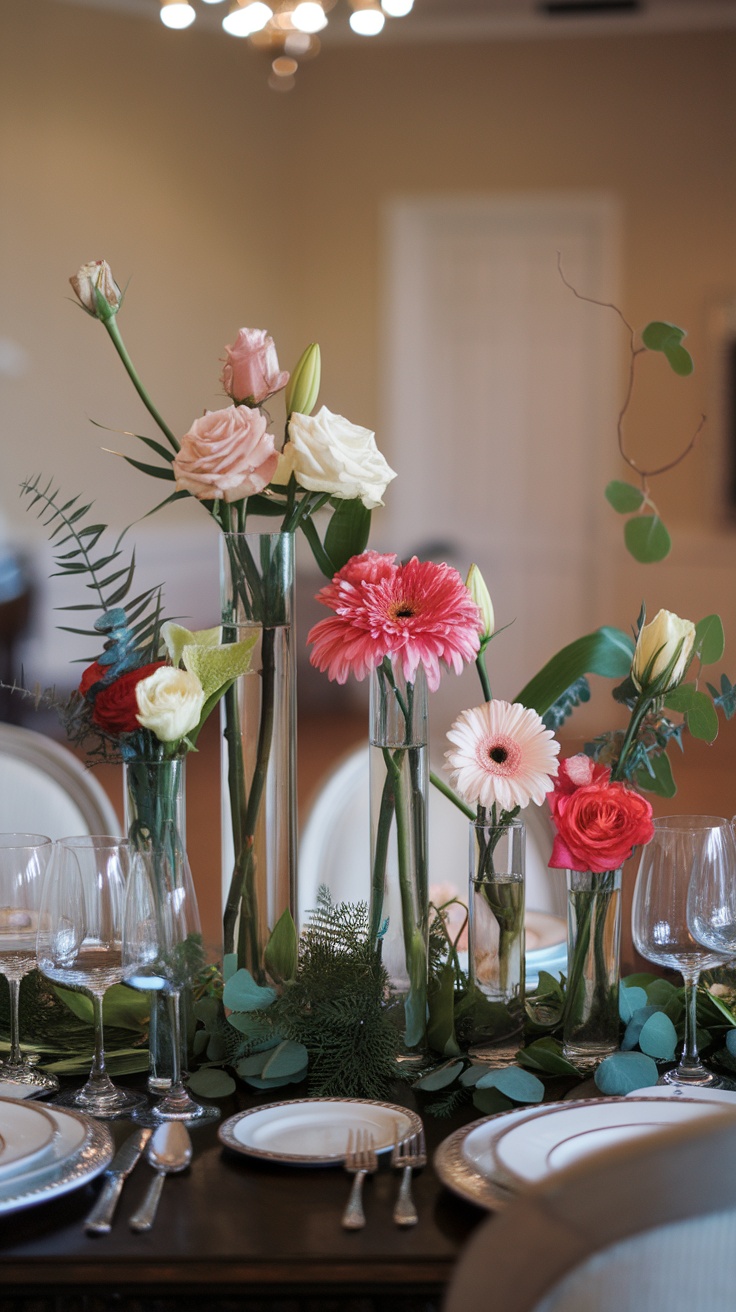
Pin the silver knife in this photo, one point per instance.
(99, 1221)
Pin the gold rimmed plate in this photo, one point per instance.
(314, 1131)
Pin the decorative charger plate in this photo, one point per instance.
(81, 1150)
(26, 1135)
(314, 1131)
(466, 1160)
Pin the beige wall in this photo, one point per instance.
(226, 204)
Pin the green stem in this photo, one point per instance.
(485, 683)
(637, 715)
(117, 340)
(445, 789)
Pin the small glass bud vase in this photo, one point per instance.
(496, 944)
(399, 909)
(590, 1021)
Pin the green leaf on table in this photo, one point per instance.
(256, 1082)
(656, 776)
(607, 651)
(660, 993)
(252, 1065)
(545, 1055)
(623, 1072)
(207, 1010)
(472, 1074)
(513, 1083)
(440, 1077)
(241, 993)
(731, 1042)
(216, 1048)
(647, 539)
(640, 979)
(289, 1058)
(211, 1083)
(629, 1001)
(710, 640)
(658, 1037)
(624, 497)
(348, 530)
(491, 1101)
(667, 338)
(635, 1026)
(282, 949)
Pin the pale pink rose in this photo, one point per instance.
(251, 370)
(226, 455)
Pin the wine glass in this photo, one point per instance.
(681, 846)
(80, 941)
(162, 952)
(23, 862)
(711, 903)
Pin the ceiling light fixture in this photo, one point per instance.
(286, 30)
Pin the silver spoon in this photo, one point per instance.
(169, 1150)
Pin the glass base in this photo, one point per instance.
(27, 1077)
(498, 1055)
(589, 1056)
(192, 1115)
(698, 1079)
(105, 1108)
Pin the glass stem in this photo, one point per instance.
(690, 1063)
(177, 1099)
(98, 1075)
(15, 1057)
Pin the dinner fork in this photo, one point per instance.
(360, 1161)
(409, 1155)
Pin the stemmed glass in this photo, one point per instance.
(682, 847)
(162, 951)
(711, 903)
(23, 862)
(80, 941)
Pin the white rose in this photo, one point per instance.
(169, 703)
(667, 641)
(327, 453)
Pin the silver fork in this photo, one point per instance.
(360, 1161)
(408, 1155)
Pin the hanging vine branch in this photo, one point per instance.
(645, 534)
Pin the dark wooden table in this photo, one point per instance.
(233, 1233)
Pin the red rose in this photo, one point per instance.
(598, 827)
(115, 707)
(93, 674)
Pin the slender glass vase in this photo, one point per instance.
(399, 779)
(155, 820)
(496, 942)
(259, 818)
(590, 1021)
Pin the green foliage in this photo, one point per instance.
(562, 709)
(647, 539)
(623, 1072)
(607, 651)
(667, 338)
(726, 698)
(282, 949)
(65, 1039)
(710, 640)
(347, 532)
(624, 497)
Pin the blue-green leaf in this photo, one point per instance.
(545, 1055)
(731, 1042)
(229, 965)
(647, 539)
(514, 1083)
(667, 338)
(623, 1072)
(624, 497)
(211, 1083)
(289, 1058)
(241, 993)
(656, 776)
(491, 1101)
(710, 640)
(635, 1026)
(629, 1001)
(658, 1037)
(441, 1077)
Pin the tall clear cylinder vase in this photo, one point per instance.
(399, 780)
(590, 1021)
(259, 815)
(496, 940)
(155, 820)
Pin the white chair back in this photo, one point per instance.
(45, 789)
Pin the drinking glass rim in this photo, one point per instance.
(35, 840)
(669, 823)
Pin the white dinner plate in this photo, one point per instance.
(81, 1149)
(314, 1131)
(552, 1137)
(543, 931)
(27, 1133)
(464, 1164)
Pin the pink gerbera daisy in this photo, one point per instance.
(420, 613)
(502, 755)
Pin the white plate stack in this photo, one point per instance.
(46, 1152)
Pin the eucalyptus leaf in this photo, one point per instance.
(623, 1072)
(710, 640)
(658, 1037)
(514, 1083)
(731, 1042)
(635, 1026)
(702, 718)
(546, 1055)
(252, 1065)
(624, 497)
(491, 1101)
(629, 1001)
(229, 965)
(241, 993)
(681, 698)
(216, 1048)
(661, 992)
(440, 1077)
(289, 1058)
(207, 1011)
(211, 1083)
(647, 539)
(640, 979)
(472, 1074)
(658, 334)
(256, 1082)
(657, 777)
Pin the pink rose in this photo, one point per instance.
(251, 370)
(598, 826)
(577, 772)
(226, 455)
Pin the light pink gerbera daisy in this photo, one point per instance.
(420, 613)
(502, 755)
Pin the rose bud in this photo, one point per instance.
(251, 371)
(97, 290)
(303, 388)
(662, 654)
